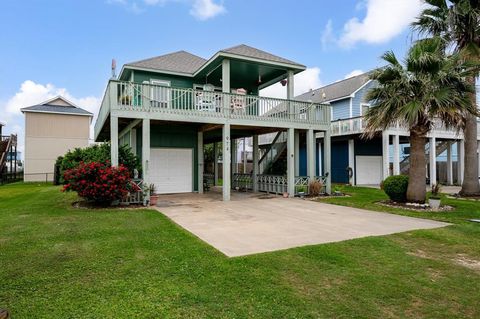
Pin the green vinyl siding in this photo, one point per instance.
(175, 81)
(173, 136)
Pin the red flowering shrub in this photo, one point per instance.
(98, 182)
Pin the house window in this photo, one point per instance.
(365, 108)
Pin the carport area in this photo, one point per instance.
(251, 223)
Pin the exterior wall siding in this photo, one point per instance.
(359, 99)
(173, 136)
(175, 81)
(341, 109)
(48, 136)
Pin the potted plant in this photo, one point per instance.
(153, 196)
(337, 191)
(434, 200)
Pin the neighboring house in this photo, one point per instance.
(51, 129)
(360, 161)
(8, 156)
(167, 107)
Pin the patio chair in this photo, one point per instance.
(207, 99)
(239, 101)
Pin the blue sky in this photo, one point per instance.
(66, 46)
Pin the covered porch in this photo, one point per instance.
(173, 157)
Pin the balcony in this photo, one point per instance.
(134, 100)
(356, 125)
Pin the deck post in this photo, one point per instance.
(215, 164)
(351, 160)
(297, 153)
(460, 161)
(114, 140)
(385, 155)
(290, 93)
(226, 85)
(291, 162)
(396, 154)
(226, 161)
(255, 163)
(449, 164)
(146, 152)
(433, 160)
(200, 161)
(327, 158)
(310, 154)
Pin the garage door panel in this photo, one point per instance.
(171, 170)
(368, 170)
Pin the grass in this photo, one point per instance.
(61, 262)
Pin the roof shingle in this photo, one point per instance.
(336, 90)
(49, 108)
(181, 61)
(247, 51)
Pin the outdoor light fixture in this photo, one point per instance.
(283, 82)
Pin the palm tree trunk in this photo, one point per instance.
(416, 192)
(470, 184)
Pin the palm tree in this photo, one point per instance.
(458, 23)
(429, 85)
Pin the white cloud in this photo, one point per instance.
(303, 82)
(354, 73)
(31, 93)
(327, 35)
(206, 9)
(384, 20)
(200, 9)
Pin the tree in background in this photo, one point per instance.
(429, 85)
(457, 22)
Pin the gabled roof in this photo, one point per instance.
(250, 52)
(337, 90)
(186, 63)
(180, 61)
(58, 105)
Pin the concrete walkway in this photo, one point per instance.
(248, 224)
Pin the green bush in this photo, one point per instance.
(396, 187)
(98, 153)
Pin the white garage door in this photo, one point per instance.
(171, 170)
(368, 170)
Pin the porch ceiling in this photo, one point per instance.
(243, 74)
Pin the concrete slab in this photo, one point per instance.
(248, 224)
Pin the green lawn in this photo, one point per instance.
(61, 262)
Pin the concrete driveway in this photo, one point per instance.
(248, 224)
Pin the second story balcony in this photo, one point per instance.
(356, 125)
(146, 100)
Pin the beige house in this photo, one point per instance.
(51, 129)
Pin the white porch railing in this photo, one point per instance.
(356, 125)
(129, 96)
(276, 184)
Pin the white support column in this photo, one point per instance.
(145, 149)
(114, 140)
(297, 152)
(244, 155)
(226, 85)
(396, 154)
(310, 154)
(460, 161)
(226, 161)
(351, 159)
(215, 163)
(433, 160)
(200, 161)
(327, 158)
(291, 162)
(255, 163)
(133, 140)
(385, 155)
(449, 164)
(320, 159)
(290, 92)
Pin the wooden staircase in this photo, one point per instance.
(8, 144)
(439, 149)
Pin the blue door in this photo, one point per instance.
(340, 162)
